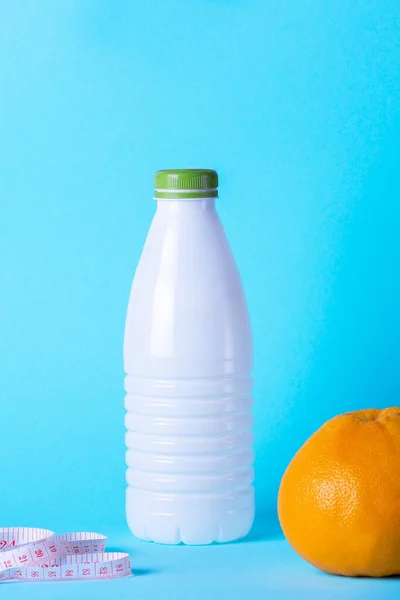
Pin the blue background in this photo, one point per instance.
(297, 104)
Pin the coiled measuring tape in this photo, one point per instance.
(28, 554)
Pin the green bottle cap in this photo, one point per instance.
(186, 183)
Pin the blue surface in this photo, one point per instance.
(262, 567)
(297, 104)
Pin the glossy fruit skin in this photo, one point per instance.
(339, 499)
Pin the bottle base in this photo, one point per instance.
(189, 519)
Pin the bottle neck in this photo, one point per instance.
(185, 205)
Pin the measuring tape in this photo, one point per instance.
(28, 554)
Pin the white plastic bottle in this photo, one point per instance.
(188, 360)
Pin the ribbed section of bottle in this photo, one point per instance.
(189, 456)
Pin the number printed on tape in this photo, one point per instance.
(28, 554)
